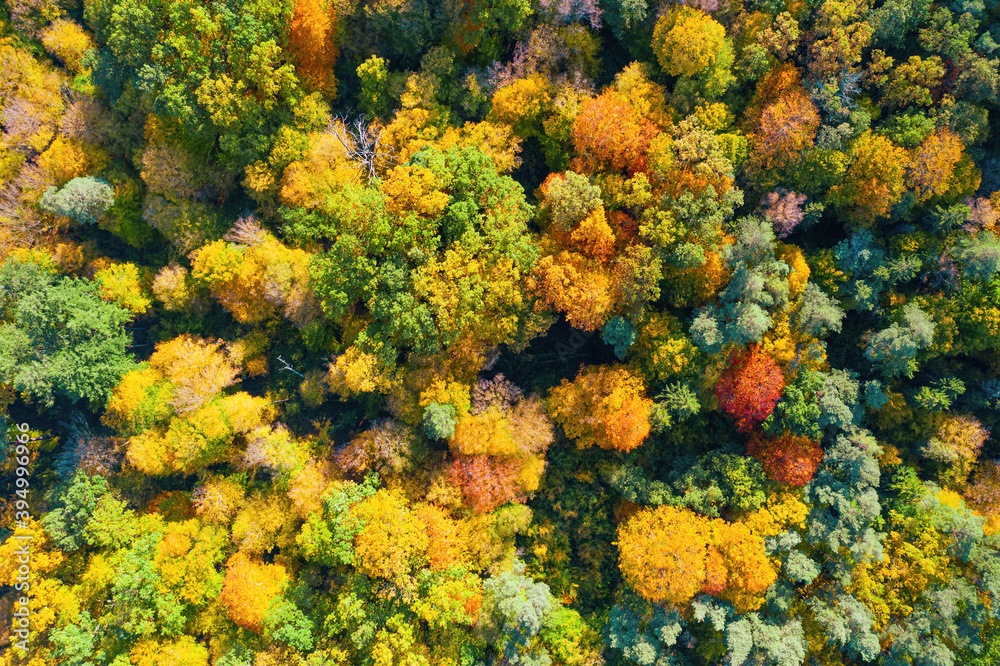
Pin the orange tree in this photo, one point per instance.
(749, 387)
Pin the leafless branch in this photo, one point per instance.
(286, 366)
(363, 144)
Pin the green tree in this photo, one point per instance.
(514, 611)
(894, 350)
(84, 199)
(58, 338)
(217, 70)
(428, 274)
(84, 508)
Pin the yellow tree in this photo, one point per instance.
(749, 572)
(446, 544)
(182, 651)
(67, 41)
(249, 588)
(663, 552)
(186, 560)
(196, 369)
(122, 284)
(604, 405)
(687, 40)
(570, 283)
(311, 42)
(874, 181)
(932, 164)
(393, 537)
(521, 103)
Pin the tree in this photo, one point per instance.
(874, 181)
(787, 126)
(618, 334)
(514, 611)
(374, 77)
(249, 589)
(182, 651)
(570, 283)
(393, 538)
(748, 570)
(83, 504)
(439, 421)
(643, 631)
(327, 537)
(503, 422)
(784, 210)
(311, 43)
(662, 554)
(487, 481)
(142, 606)
(58, 337)
(521, 103)
(981, 256)
(186, 560)
(894, 349)
(216, 500)
(254, 276)
(845, 501)
(816, 403)
(956, 445)
(790, 459)
(121, 284)
(175, 289)
(687, 41)
(749, 387)
(569, 639)
(433, 280)
(446, 547)
(604, 405)
(759, 288)
(224, 79)
(568, 198)
(386, 446)
(932, 164)
(818, 313)
(911, 82)
(67, 41)
(609, 133)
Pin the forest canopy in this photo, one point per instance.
(507, 333)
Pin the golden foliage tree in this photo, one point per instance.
(572, 284)
(668, 555)
(67, 41)
(932, 164)
(687, 40)
(249, 588)
(393, 537)
(122, 284)
(311, 43)
(604, 405)
(874, 181)
(610, 134)
(662, 554)
(749, 572)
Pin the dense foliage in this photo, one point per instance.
(520, 332)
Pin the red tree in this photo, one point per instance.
(788, 459)
(749, 387)
(486, 481)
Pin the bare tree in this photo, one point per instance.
(363, 144)
(246, 231)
